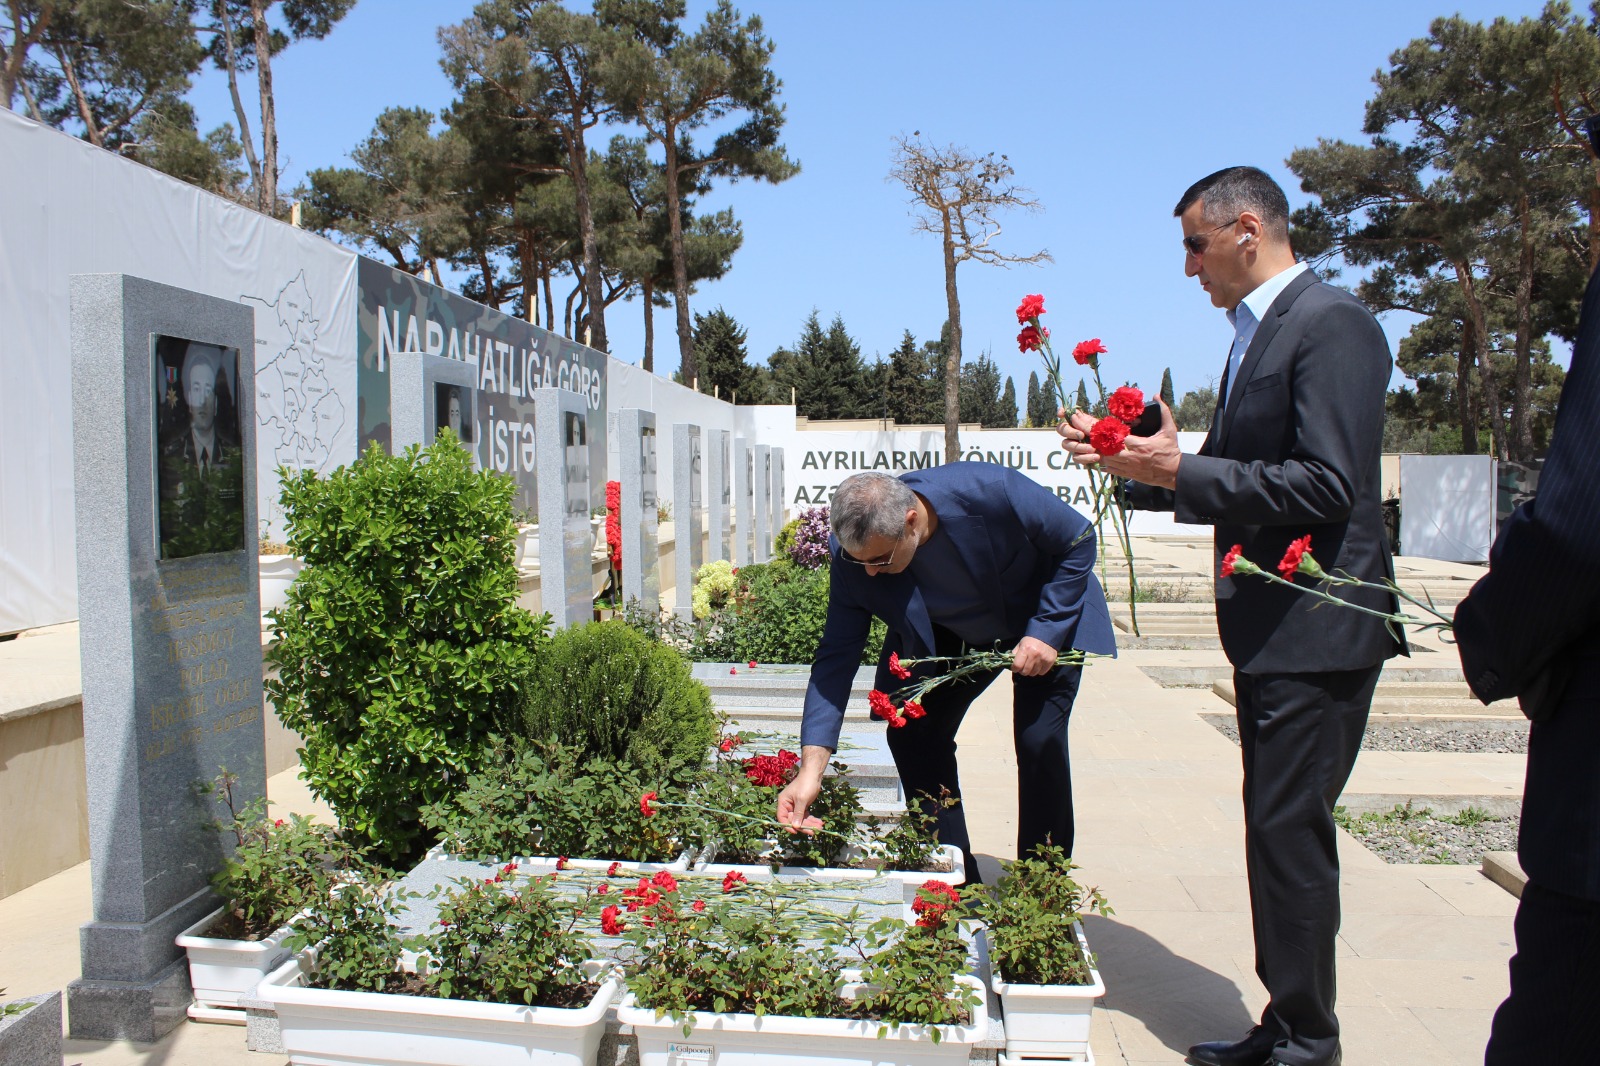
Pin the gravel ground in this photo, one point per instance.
(1498, 738)
(1405, 835)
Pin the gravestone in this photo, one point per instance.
(779, 500)
(566, 575)
(719, 494)
(641, 551)
(688, 494)
(428, 393)
(163, 408)
(744, 538)
(761, 502)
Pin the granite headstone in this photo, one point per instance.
(744, 536)
(163, 407)
(688, 493)
(761, 502)
(566, 576)
(719, 496)
(428, 393)
(641, 550)
(779, 500)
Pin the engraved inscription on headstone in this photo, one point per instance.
(744, 536)
(169, 622)
(688, 472)
(636, 443)
(566, 578)
(761, 503)
(719, 496)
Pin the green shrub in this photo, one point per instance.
(402, 647)
(608, 691)
(779, 612)
(783, 543)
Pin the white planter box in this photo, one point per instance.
(547, 863)
(911, 880)
(527, 546)
(277, 573)
(223, 970)
(778, 1040)
(1049, 1019)
(327, 1028)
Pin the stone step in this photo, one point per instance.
(1204, 675)
(1393, 698)
(1168, 642)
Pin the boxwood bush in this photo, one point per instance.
(402, 648)
(607, 690)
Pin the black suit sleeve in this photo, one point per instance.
(1341, 372)
(1542, 591)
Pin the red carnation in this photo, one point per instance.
(1028, 340)
(788, 759)
(698, 906)
(913, 709)
(664, 881)
(1085, 351)
(733, 877)
(882, 706)
(895, 668)
(644, 804)
(1108, 435)
(1229, 560)
(561, 863)
(1030, 307)
(1292, 557)
(731, 741)
(751, 664)
(1126, 403)
(733, 669)
(610, 921)
(898, 721)
(611, 871)
(603, 890)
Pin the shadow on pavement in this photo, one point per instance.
(1179, 1001)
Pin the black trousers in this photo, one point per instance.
(925, 754)
(1555, 983)
(1299, 735)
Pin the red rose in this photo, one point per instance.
(882, 706)
(895, 668)
(913, 709)
(788, 759)
(644, 804)
(664, 881)
(698, 906)
(1107, 435)
(1230, 559)
(611, 871)
(610, 921)
(1292, 557)
(732, 878)
(1127, 403)
(1030, 307)
(1028, 340)
(1085, 351)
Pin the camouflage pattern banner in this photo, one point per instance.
(401, 313)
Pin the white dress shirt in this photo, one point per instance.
(1247, 316)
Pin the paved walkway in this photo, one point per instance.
(1422, 954)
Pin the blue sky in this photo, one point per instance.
(1107, 112)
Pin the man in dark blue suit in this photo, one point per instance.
(966, 555)
(1531, 628)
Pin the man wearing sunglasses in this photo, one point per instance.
(958, 557)
(1293, 450)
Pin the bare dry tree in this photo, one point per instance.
(958, 195)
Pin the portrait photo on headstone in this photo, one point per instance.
(575, 436)
(451, 411)
(199, 462)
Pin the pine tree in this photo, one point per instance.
(980, 394)
(1041, 403)
(1006, 411)
(719, 344)
(1082, 402)
(1166, 388)
(824, 368)
(915, 385)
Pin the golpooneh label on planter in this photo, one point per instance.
(690, 1054)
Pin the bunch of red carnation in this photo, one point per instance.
(883, 707)
(772, 771)
(614, 522)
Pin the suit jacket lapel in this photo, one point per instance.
(1267, 330)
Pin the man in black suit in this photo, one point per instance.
(1293, 450)
(1531, 628)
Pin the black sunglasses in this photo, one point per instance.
(1195, 245)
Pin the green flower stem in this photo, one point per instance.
(767, 822)
(1399, 619)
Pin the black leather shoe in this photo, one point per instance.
(1254, 1050)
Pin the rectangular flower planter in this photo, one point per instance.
(778, 1040)
(223, 970)
(910, 880)
(321, 1027)
(1049, 1019)
(679, 865)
